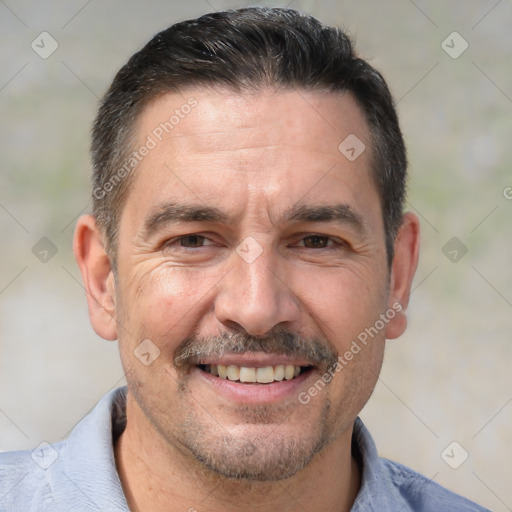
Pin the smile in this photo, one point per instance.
(259, 375)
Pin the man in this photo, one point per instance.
(248, 249)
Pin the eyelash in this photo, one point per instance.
(334, 243)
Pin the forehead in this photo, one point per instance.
(218, 146)
(289, 117)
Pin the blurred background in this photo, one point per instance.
(443, 404)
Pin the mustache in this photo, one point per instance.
(195, 348)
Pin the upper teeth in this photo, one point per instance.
(262, 375)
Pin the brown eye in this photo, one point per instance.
(316, 242)
(192, 241)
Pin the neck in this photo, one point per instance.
(158, 477)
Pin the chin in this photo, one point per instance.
(259, 452)
(260, 459)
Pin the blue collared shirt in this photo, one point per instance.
(79, 473)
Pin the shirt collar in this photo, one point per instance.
(88, 455)
(372, 495)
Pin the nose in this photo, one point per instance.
(255, 296)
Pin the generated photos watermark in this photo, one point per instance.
(151, 142)
(363, 338)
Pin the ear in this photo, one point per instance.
(405, 261)
(97, 275)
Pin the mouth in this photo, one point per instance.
(255, 375)
(251, 379)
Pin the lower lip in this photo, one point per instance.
(255, 393)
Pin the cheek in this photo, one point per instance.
(352, 312)
(344, 302)
(359, 375)
(164, 303)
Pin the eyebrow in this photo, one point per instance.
(174, 213)
(340, 213)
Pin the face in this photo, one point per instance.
(250, 245)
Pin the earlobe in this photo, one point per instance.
(405, 262)
(98, 276)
